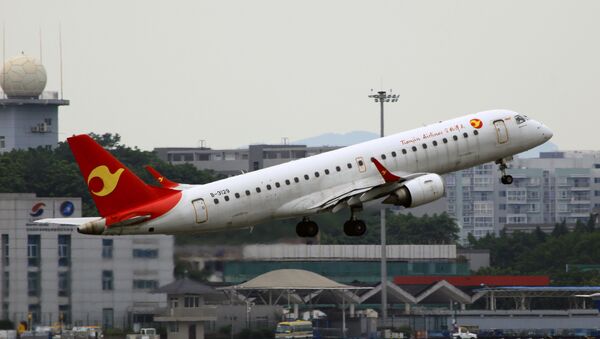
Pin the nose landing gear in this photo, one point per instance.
(506, 179)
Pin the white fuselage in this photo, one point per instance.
(283, 191)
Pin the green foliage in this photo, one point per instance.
(539, 253)
(401, 229)
(54, 173)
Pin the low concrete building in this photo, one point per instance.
(190, 306)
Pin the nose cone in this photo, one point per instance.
(546, 132)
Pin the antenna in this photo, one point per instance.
(61, 59)
(41, 60)
(3, 56)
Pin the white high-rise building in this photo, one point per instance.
(51, 272)
(546, 190)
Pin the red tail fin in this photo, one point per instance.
(113, 186)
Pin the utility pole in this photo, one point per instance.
(382, 97)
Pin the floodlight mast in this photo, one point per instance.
(383, 97)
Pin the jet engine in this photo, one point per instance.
(418, 191)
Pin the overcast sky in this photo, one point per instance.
(170, 73)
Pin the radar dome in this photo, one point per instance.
(23, 77)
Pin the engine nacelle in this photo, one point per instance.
(418, 191)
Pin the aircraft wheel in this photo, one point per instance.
(506, 179)
(355, 228)
(311, 229)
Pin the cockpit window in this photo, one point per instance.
(520, 119)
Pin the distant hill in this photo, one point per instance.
(336, 139)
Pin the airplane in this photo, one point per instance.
(403, 169)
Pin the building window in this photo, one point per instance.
(63, 284)
(33, 284)
(191, 301)
(6, 284)
(64, 249)
(5, 250)
(2, 141)
(107, 318)
(107, 280)
(173, 327)
(145, 284)
(34, 310)
(33, 250)
(145, 253)
(107, 248)
(64, 314)
(174, 301)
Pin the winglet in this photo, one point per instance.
(387, 175)
(164, 182)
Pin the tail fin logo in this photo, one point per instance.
(109, 180)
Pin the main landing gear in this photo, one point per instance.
(354, 227)
(506, 179)
(307, 228)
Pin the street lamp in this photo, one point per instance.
(382, 97)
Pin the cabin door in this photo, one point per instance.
(200, 210)
(501, 131)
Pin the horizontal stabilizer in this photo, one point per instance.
(67, 221)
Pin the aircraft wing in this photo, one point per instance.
(67, 221)
(354, 194)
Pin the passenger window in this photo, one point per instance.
(337, 168)
(287, 182)
(465, 135)
(317, 174)
(326, 171)
(434, 143)
(296, 179)
(360, 163)
(216, 201)
(403, 151)
(237, 195)
(277, 184)
(349, 165)
(445, 140)
(476, 132)
(454, 137)
(269, 187)
(394, 154)
(226, 198)
(414, 148)
(383, 156)
(424, 146)
(247, 192)
(306, 176)
(258, 190)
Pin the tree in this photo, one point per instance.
(560, 229)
